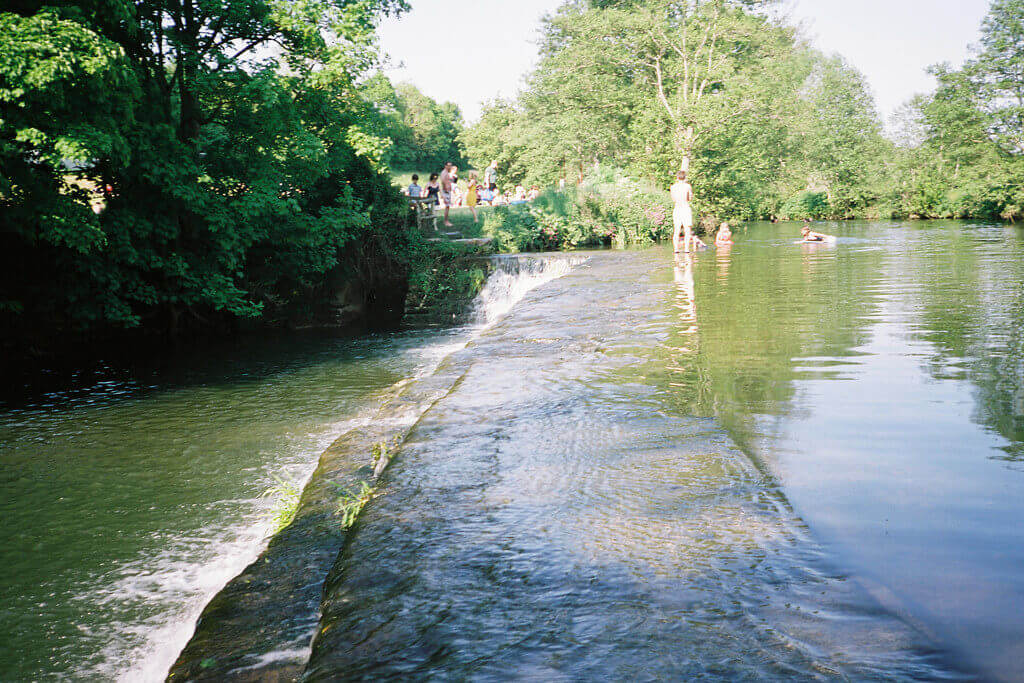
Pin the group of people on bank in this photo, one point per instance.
(682, 221)
(444, 190)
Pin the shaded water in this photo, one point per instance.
(128, 504)
(773, 461)
(126, 507)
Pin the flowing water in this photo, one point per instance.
(774, 461)
(128, 504)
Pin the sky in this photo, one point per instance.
(474, 51)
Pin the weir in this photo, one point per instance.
(775, 461)
(561, 503)
(261, 624)
(566, 512)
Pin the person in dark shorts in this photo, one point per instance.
(433, 188)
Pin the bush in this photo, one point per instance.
(588, 216)
(807, 204)
(445, 277)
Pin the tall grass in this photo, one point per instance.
(352, 502)
(287, 495)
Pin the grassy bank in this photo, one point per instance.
(446, 278)
(619, 214)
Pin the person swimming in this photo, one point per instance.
(724, 236)
(811, 236)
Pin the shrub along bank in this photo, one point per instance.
(445, 278)
(592, 215)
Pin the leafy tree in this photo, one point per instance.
(500, 135)
(970, 160)
(644, 84)
(245, 164)
(424, 134)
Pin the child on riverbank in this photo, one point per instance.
(433, 188)
(471, 194)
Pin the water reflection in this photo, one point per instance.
(593, 524)
(686, 300)
(723, 254)
(879, 380)
(972, 313)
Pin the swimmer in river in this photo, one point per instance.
(724, 236)
(811, 236)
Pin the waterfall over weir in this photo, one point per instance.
(234, 637)
(515, 275)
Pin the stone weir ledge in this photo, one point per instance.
(261, 625)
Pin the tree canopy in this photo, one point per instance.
(423, 133)
(968, 158)
(761, 117)
(240, 161)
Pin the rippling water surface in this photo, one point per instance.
(126, 506)
(775, 461)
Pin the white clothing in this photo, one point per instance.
(682, 214)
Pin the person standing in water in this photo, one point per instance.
(682, 214)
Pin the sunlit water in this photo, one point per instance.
(776, 461)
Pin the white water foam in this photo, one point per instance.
(513, 277)
(189, 583)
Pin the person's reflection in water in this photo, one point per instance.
(683, 343)
(723, 257)
(687, 299)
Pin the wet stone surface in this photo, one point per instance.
(555, 518)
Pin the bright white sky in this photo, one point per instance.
(473, 51)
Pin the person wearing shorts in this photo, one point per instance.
(446, 192)
(682, 214)
(491, 176)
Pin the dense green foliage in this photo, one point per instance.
(598, 212)
(247, 148)
(424, 134)
(245, 170)
(446, 277)
(640, 85)
(771, 127)
(964, 143)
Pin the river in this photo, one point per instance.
(777, 460)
